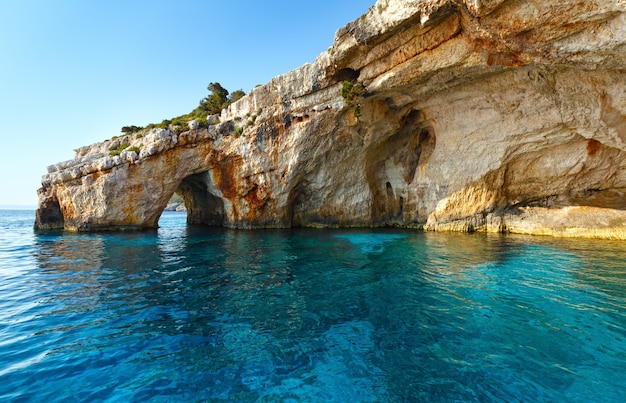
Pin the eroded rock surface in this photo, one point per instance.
(476, 115)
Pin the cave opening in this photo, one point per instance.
(346, 74)
(297, 205)
(392, 167)
(49, 215)
(202, 207)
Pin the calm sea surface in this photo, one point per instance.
(201, 314)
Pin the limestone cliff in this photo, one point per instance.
(472, 115)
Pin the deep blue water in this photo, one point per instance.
(202, 314)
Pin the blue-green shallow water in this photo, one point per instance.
(197, 314)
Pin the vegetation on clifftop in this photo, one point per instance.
(118, 150)
(218, 99)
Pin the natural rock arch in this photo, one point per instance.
(203, 207)
(464, 122)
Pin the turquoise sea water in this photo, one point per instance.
(205, 314)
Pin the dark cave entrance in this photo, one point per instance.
(203, 208)
(49, 215)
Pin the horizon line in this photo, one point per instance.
(18, 207)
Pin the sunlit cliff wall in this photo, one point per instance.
(475, 115)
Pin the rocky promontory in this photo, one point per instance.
(468, 115)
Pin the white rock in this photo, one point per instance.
(468, 122)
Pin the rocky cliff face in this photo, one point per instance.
(471, 115)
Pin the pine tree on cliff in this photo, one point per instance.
(236, 95)
(216, 101)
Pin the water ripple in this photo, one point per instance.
(191, 314)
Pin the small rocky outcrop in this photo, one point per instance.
(472, 115)
(175, 206)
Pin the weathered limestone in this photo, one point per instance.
(477, 115)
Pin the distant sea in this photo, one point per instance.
(16, 207)
(209, 314)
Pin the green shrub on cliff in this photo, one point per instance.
(352, 94)
(215, 101)
(118, 150)
(131, 129)
(218, 99)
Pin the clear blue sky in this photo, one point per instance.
(73, 72)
